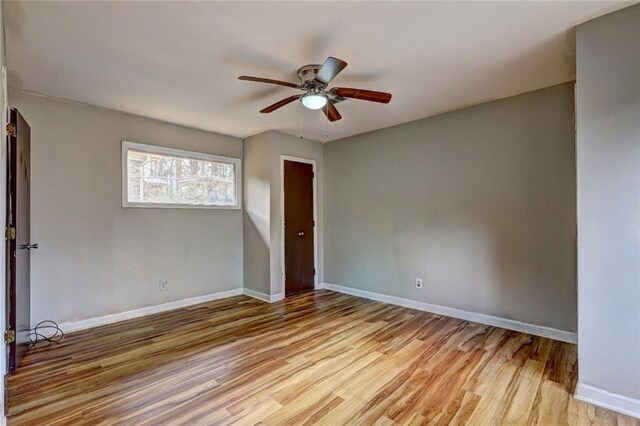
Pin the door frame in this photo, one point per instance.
(4, 109)
(283, 158)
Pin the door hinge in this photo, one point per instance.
(11, 129)
(9, 336)
(314, 223)
(11, 233)
(314, 272)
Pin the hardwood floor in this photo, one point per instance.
(321, 357)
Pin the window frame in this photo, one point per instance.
(126, 145)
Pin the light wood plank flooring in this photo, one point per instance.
(322, 358)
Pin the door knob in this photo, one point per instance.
(29, 246)
(300, 234)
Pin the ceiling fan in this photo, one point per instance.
(314, 80)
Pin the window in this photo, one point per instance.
(153, 176)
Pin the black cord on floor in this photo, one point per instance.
(47, 326)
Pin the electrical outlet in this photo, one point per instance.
(163, 285)
(419, 283)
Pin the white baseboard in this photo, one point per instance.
(262, 296)
(538, 330)
(256, 295)
(612, 401)
(68, 327)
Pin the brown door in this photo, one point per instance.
(298, 227)
(19, 244)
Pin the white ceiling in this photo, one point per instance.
(178, 61)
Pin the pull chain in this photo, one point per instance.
(327, 124)
(301, 111)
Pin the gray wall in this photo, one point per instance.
(257, 213)
(480, 203)
(608, 161)
(96, 257)
(263, 270)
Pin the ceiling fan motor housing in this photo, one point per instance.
(308, 73)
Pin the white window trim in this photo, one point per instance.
(237, 162)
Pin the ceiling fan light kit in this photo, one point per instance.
(314, 101)
(314, 80)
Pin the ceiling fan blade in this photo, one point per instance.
(331, 112)
(331, 67)
(280, 104)
(365, 95)
(268, 81)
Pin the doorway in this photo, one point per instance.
(18, 239)
(299, 225)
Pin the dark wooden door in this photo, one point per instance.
(298, 227)
(19, 244)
